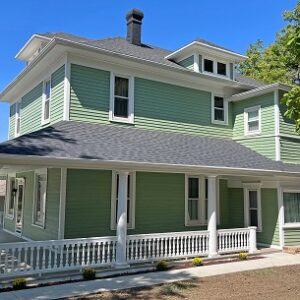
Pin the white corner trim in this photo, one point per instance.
(280, 214)
(246, 120)
(67, 90)
(62, 203)
(277, 125)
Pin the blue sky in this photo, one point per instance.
(168, 23)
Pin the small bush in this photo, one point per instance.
(89, 274)
(19, 283)
(197, 261)
(243, 256)
(162, 265)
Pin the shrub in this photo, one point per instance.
(197, 261)
(89, 273)
(243, 256)
(19, 283)
(162, 265)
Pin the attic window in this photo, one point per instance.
(221, 69)
(208, 66)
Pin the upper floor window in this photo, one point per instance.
(252, 117)
(219, 110)
(121, 103)
(46, 101)
(40, 198)
(18, 119)
(215, 67)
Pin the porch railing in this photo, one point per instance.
(40, 257)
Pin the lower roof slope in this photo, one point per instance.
(76, 140)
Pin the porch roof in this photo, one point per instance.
(69, 140)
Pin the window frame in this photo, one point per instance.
(18, 117)
(8, 195)
(44, 99)
(225, 109)
(215, 67)
(35, 195)
(289, 224)
(113, 219)
(249, 187)
(246, 120)
(112, 117)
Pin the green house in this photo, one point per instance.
(120, 142)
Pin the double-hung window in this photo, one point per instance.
(196, 200)
(219, 110)
(122, 94)
(46, 101)
(18, 118)
(291, 202)
(130, 200)
(39, 210)
(252, 205)
(252, 117)
(11, 191)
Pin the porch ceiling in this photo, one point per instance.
(103, 144)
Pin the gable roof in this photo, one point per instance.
(68, 140)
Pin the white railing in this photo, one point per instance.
(53, 256)
(237, 239)
(171, 245)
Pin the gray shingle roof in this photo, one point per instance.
(145, 51)
(69, 139)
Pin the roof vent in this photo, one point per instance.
(134, 26)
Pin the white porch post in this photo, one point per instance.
(280, 214)
(212, 215)
(122, 221)
(252, 239)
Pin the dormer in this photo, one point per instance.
(32, 48)
(207, 58)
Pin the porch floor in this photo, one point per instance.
(6, 237)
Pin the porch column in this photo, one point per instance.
(212, 215)
(122, 221)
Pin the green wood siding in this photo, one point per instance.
(263, 145)
(236, 208)
(290, 150)
(52, 206)
(31, 105)
(9, 224)
(12, 120)
(187, 62)
(158, 106)
(292, 237)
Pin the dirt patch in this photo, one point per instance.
(273, 283)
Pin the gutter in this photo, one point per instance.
(13, 159)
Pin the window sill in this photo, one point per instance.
(215, 75)
(291, 225)
(121, 120)
(40, 226)
(45, 122)
(195, 224)
(223, 123)
(252, 133)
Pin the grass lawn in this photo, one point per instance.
(273, 283)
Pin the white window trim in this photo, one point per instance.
(246, 120)
(34, 223)
(247, 188)
(46, 121)
(215, 67)
(213, 121)
(130, 118)
(289, 225)
(8, 196)
(113, 221)
(18, 116)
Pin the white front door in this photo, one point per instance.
(19, 204)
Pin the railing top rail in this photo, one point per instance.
(233, 230)
(167, 234)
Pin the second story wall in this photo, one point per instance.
(157, 105)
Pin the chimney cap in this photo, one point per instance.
(135, 14)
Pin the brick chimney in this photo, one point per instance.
(134, 26)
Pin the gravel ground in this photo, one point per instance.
(274, 283)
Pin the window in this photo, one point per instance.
(221, 69)
(252, 207)
(252, 120)
(46, 102)
(121, 109)
(291, 202)
(11, 192)
(219, 110)
(130, 200)
(196, 200)
(40, 198)
(208, 65)
(18, 118)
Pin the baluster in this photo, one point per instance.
(72, 264)
(30, 263)
(19, 259)
(98, 253)
(78, 245)
(150, 254)
(103, 252)
(108, 257)
(239, 240)
(25, 258)
(13, 250)
(6, 261)
(88, 253)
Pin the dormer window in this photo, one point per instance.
(221, 69)
(209, 65)
(215, 67)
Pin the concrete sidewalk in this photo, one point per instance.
(148, 279)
